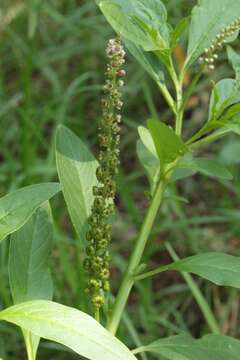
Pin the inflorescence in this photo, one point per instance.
(100, 230)
(211, 55)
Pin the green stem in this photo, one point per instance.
(97, 314)
(192, 85)
(178, 83)
(168, 97)
(128, 280)
(151, 273)
(29, 346)
(200, 299)
(208, 139)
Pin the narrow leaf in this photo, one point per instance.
(69, 327)
(208, 167)
(219, 268)
(18, 206)
(184, 347)
(178, 31)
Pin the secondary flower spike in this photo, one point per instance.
(210, 54)
(100, 229)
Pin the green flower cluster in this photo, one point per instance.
(211, 53)
(100, 230)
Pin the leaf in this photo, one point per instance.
(178, 31)
(209, 167)
(219, 268)
(234, 58)
(30, 249)
(122, 24)
(228, 94)
(18, 206)
(232, 126)
(144, 25)
(29, 253)
(184, 347)
(208, 18)
(148, 60)
(69, 327)
(148, 156)
(169, 146)
(76, 168)
(230, 151)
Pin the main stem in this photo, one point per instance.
(128, 280)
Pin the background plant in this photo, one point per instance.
(172, 207)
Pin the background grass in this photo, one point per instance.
(52, 65)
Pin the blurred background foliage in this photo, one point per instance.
(52, 62)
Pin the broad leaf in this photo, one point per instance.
(221, 269)
(149, 61)
(209, 17)
(143, 27)
(208, 167)
(122, 24)
(143, 24)
(76, 168)
(18, 206)
(69, 327)
(184, 347)
(168, 145)
(30, 249)
(29, 273)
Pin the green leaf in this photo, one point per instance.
(209, 17)
(168, 145)
(69, 327)
(148, 60)
(230, 151)
(232, 126)
(178, 31)
(76, 168)
(144, 25)
(225, 94)
(122, 25)
(18, 206)
(212, 168)
(234, 59)
(219, 268)
(29, 253)
(147, 155)
(30, 249)
(181, 171)
(184, 347)
(209, 167)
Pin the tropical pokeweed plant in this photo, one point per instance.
(89, 189)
